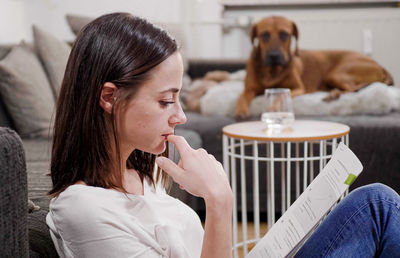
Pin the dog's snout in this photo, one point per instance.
(274, 57)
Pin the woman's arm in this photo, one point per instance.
(200, 174)
(217, 240)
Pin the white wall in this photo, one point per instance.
(12, 21)
(17, 16)
(203, 29)
(204, 39)
(201, 19)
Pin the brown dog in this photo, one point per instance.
(273, 65)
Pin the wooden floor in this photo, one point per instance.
(250, 234)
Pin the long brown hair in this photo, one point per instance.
(117, 48)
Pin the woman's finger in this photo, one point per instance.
(169, 167)
(180, 144)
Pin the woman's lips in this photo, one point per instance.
(166, 135)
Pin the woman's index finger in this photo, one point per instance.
(180, 143)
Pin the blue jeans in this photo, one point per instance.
(364, 224)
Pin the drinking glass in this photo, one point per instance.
(278, 110)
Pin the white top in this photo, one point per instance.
(87, 221)
(301, 130)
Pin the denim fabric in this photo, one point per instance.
(364, 224)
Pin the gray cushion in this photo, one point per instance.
(5, 119)
(77, 22)
(4, 50)
(54, 56)
(26, 92)
(177, 32)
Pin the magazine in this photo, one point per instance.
(304, 215)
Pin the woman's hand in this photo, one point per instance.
(197, 172)
(202, 175)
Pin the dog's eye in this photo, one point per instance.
(265, 36)
(283, 35)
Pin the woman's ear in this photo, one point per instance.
(107, 96)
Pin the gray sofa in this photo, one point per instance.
(375, 139)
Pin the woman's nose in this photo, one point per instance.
(178, 117)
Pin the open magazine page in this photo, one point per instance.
(311, 206)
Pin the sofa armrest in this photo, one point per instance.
(13, 196)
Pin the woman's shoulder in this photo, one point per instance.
(81, 201)
(79, 193)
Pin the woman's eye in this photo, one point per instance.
(166, 103)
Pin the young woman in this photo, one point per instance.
(118, 105)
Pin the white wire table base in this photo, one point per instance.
(295, 163)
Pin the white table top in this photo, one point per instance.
(301, 130)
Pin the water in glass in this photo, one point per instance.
(277, 120)
(278, 110)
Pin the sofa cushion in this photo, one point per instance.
(54, 56)
(4, 50)
(26, 92)
(177, 31)
(5, 119)
(77, 22)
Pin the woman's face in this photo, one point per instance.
(155, 110)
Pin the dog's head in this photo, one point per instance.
(274, 35)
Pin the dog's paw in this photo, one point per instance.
(333, 95)
(242, 114)
(329, 98)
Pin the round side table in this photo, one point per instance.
(300, 151)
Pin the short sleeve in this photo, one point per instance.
(87, 221)
(113, 246)
(85, 229)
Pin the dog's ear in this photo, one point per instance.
(253, 34)
(296, 36)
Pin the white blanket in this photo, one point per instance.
(377, 98)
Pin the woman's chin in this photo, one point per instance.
(156, 150)
(160, 149)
